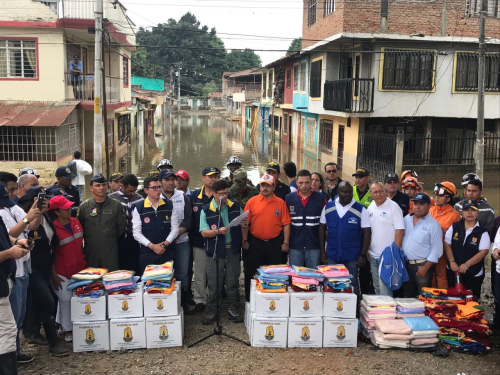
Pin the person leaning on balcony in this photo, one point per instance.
(76, 70)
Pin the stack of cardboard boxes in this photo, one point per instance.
(300, 319)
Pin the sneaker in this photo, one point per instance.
(68, 337)
(60, 332)
(200, 307)
(58, 351)
(24, 358)
(38, 340)
(209, 319)
(234, 315)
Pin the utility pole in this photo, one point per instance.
(105, 110)
(480, 92)
(98, 13)
(178, 91)
(171, 90)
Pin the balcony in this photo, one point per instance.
(81, 88)
(353, 95)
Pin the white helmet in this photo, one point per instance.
(29, 170)
(165, 163)
(233, 160)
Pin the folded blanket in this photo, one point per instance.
(425, 334)
(308, 272)
(393, 326)
(301, 288)
(329, 289)
(260, 288)
(443, 321)
(419, 342)
(121, 291)
(282, 269)
(78, 283)
(164, 269)
(334, 270)
(375, 316)
(118, 275)
(395, 336)
(409, 303)
(423, 323)
(416, 310)
(373, 300)
(377, 310)
(378, 340)
(92, 294)
(471, 310)
(90, 274)
(450, 292)
(401, 316)
(305, 280)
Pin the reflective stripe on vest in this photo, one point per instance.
(70, 238)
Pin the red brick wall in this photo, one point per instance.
(405, 17)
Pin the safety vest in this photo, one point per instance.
(344, 234)
(69, 258)
(367, 199)
(199, 199)
(177, 200)
(156, 225)
(463, 252)
(304, 233)
(212, 217)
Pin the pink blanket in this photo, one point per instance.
(393, 326)
(395, 336)
(424, 341)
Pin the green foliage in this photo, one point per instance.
(242, 60)
(295, 46)
(209, 87)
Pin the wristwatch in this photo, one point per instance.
(244, 241)
(26, 221)
(284, 243)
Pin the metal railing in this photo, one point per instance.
(353, 95)
(81, 88)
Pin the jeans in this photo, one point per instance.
(81, 190)
(413, 287)
(181, 263)
(353, 271)
(233, 271)
(63, 316)
(304, 258)
(495, 283)
(380, 288)
(18, 298)
(200, 275)
(148, 257)
(213, 287)
(8, 332)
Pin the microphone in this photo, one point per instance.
(222, 199)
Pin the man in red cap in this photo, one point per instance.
(182, 182)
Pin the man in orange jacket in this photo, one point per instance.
(445, 215)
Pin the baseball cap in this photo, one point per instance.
(182, 174)
(5, 201)
(64, 172)
(468, 203)
(165, 173)
(391, 177)
(208, 171)
(29, 170)
(99, 178)
(422, 198)
(31, 193)
(55, 191)
(115, 176)
(267, 179)
(75, 56)
(61, 202)
(361, 172)
(273, 167)
(240, 178)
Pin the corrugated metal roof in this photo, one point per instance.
(21, 113)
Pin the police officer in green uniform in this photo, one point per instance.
(280, 189)
(64, 179)
(103, 221)
(361, 189)
(241, 191)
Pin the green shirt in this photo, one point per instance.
(224, 217)
(242, 198)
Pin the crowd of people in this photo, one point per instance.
(48, 235)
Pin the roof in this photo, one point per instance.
(24, 113)
(247, 72)
(147, 94)
(283, 60)
(154, 84)
(215, 95)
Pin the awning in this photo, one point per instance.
(20, 113)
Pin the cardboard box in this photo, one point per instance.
(127, 333)
(340, 333)
(156, 305)
(272, 304)
(252, 295)
(164, 332)
(269, 332)
(340, 305)
(126, 306)
(90, 336)
(305, 332)
(86, 309)
(303, 304)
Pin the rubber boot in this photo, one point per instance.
(8, 363)
(184, 304)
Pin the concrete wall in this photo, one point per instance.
(26, 10)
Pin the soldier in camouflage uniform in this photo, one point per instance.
(242, 191)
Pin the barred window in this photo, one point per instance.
(311, 15)
(18, 59)
(467, 71)
(408, 70)
(329, 7)
(303, 75)
(325, 136)
(311, 134)
(316, 68)
(492, 8)
(123, 129)
(125, 71)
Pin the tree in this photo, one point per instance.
(242, 60)
(140, 62)
(295, 46)
(209, 87)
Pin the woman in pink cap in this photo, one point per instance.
(69, 258)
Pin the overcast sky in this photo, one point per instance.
(281, 19)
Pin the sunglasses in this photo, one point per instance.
(332, 171)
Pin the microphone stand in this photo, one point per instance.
(218, 328)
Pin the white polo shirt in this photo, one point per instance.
(384, 221)
(12, 216)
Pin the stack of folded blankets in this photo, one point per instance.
(373, 308)
(120, 282)
(159, 279)
(389, 334)
(88, 282)
(424, 332)
(273, 279)
(337, 279)
(306, 279)
(409, 307)
(460, 318)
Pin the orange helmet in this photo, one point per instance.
(410, 181)
(446, 187)
(408, 173)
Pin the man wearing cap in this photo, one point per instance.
(182, 182)
(361, 189)
(393, 193)
(103, 221)
(241, 191)
(268, 216)
(64, 182)
(25, 182)
(128, 247)
(76, 72)
(445, 215)
(280, 189)
(115, 182)
(199, 198)
(80, 168)
(422, 246)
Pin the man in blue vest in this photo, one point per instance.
(226, 243)
(346, 227)
(155, 226)
(305, 208)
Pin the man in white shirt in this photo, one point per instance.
(387, 226)
(80, 168)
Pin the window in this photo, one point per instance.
(408, 70)
(295, 77)
(329, 7)
(264, 84)
(289, 78)
(467, 70)
(303, 75)
(18, 58)
(125, 71)
(311, 15)
(123, 129)
(311, 134)
(325, 136)
(316, 68)
(285, 123)
(492, 8)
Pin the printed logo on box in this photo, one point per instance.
(272, 306)
(341, 332)
(306, 306)
(340, 306)
(89, 337)
(127, 335)
(269, 333)
(163, 333)
(306, 335)
(124, 306)
(88, 309)
(159, 305)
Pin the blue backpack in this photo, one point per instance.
(392, 270)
